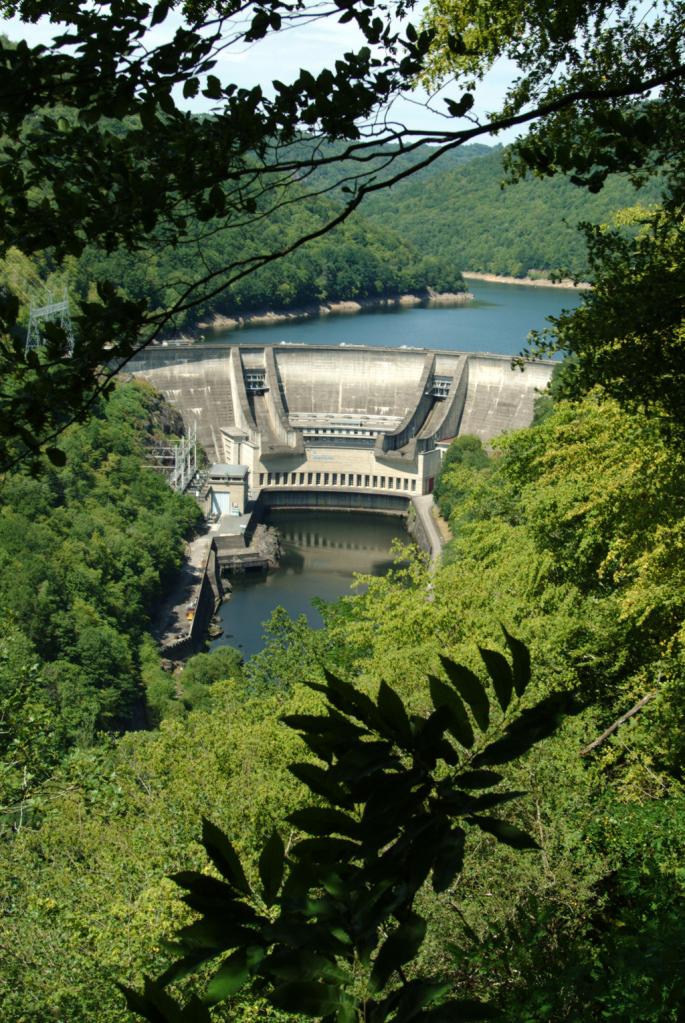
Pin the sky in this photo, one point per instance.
(314, 46)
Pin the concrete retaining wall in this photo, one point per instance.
(411, 424)
(208, 598)
(159, 356)
(417, 531)
(279, 417)
(351, 500)
(451, 408)
(423, 530)
(243, 413)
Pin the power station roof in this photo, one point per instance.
(223, 470)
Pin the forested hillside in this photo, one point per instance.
(468, 220)
(85, 551)
(358, 260)
(404, 240)
(569, 535)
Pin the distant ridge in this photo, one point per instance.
(468, 219)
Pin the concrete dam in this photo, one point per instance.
(352, 426)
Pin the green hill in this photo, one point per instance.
(358, 260)
(468, 220)
(450, 216)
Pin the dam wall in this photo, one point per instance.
(334, 420)
(425, 419)
(349, 381)
(499, 398)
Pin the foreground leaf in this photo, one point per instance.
(307, 997)
(520, 662)
(223, 856)
(399, 948)
(271, 864)
(500, 673)
(505, 832)
(229, 978)
(471, 690)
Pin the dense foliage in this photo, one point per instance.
(467, 218)
(628, 335)
(332, 925)
(98, 150)
(85, 550)
(570, 535)
(358, 260)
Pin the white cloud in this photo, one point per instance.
(313, 45)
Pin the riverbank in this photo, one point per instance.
(266, 318)
(182, 618)
(528, 282)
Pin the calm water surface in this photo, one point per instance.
(321, 551)
(497, 321)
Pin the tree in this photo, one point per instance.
(464, 457)
(202, 670)
(96, 148)
(629, 335)
(84, 553)
(334, 923)
(29, 743)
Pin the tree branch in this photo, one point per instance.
(617, 724)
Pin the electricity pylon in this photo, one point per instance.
(178, 460)
(51, 312)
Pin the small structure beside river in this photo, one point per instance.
(244, 544)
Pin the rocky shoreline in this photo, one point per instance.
(266, 318)
(527, 282)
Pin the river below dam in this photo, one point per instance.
(498, 320)
(321, 553)
(323, 550)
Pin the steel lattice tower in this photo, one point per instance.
(51, 312)
(178, 460)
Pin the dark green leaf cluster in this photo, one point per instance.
(628, 335)
(333, 924)
(98, 152)
(118, 152)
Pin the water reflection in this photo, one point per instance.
(321, 552)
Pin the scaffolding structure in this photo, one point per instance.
(52, 312)
(177, 461)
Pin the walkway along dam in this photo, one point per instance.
(352, 426)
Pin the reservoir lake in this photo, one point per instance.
(498, 320)
(323, 550)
